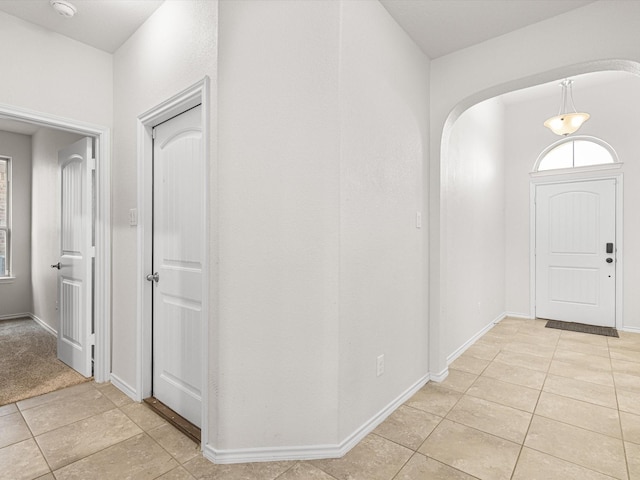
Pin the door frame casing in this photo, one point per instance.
(188, 98)
(577, 177)
(102, 277)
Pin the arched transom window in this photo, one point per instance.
(575, 152)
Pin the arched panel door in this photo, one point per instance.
(575, 252)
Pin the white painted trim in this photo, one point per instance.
(188, 98)
(523, 316)
(588, 169)
(15, 316)
(575, 177)
(440, 376)
(123, 386)
(631, 329)
(460, 350)
(102, 286)
(8, 279)
(366, 428)
(243, 455)
(41, 322)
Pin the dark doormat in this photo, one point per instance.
(581, 327)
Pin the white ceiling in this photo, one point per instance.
(103, 24)
(441, 27)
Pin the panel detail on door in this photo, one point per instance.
(75, 262)
(72, 206)
(71, 315)
(178, 252)
(573, 225)
(574, 285)
(574, 280)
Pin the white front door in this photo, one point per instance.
(76, 253)
(178, 253)
(575, 252)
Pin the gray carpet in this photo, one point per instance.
(28, 362)
(581, 327)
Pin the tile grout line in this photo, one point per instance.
(287, 470)
(36, 442)
(615, 391)
(582, 428)
(142, 432)
(104, 448)
(533, 413)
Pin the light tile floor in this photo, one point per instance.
(524, 402)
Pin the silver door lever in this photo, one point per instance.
(57, 265)
(153, 277)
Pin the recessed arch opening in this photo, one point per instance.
(440, 253)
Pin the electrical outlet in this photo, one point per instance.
(380, 365)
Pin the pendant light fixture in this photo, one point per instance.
(566, 121)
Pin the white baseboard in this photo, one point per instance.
(127, 389)
(441, 376)
(460, 350)
(524, 316)
(631, 329)
(311, 452)
(33, 317)
(40, 322)
(14, 316)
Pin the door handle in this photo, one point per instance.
(609, 260)
(57, 265)
(153, 277)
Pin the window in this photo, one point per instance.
(5, 218)
(575, 152)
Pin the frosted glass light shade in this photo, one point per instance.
(566, 123)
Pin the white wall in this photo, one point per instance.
(614, 120)
(473, 223)
(323, 121)
(384, 107)
(45, 224)
(53, 74)
(523, 58)
(173, 50)
(15, 296)
(279, 223)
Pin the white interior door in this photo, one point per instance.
(178, 252)
(76, 253)
(575, 252)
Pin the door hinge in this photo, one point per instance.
(92, 339)
(153, 133)
(92, 252)
(92, 164)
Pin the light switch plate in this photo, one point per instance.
(133, 217)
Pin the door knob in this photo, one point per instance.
(609, 260)
(153, 277)
(57, 265)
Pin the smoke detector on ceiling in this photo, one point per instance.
(64, 8)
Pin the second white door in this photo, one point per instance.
(178, 253)
(76, 252)
(576, 252)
